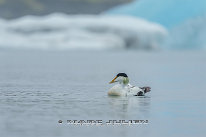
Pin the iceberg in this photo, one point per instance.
(168, 13)
(184, 20)
(61, 31)
(188, 35)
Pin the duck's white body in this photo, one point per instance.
(124, 90)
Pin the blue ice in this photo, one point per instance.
(168, 13)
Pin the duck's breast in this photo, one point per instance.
(117, 90)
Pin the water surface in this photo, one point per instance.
(38, 88)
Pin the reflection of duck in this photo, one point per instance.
(126, 107)
(123, 88)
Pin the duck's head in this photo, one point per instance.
(122, 78)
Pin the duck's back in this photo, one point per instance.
(134, 90)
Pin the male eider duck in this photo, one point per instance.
(123, 88)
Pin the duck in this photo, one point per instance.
(124, 88)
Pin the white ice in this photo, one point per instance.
(60, 31)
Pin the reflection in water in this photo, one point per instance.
(129, 107)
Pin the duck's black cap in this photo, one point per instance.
(122, 74)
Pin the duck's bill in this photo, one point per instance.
(113, 80)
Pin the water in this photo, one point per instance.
(38, 88)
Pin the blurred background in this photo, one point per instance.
(57, 57)
(102, 24)
(14, 9)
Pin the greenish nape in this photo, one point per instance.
(125, 81)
